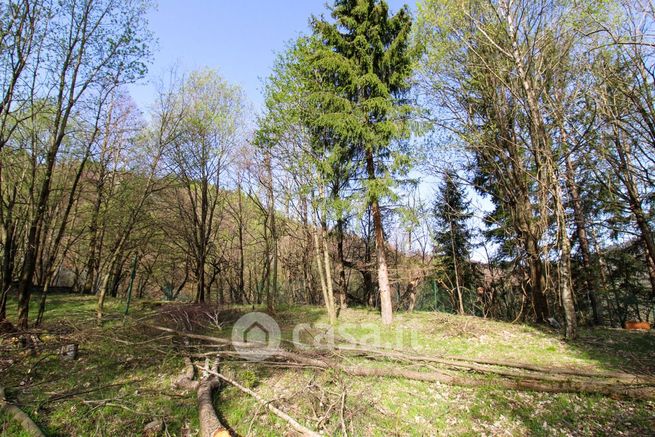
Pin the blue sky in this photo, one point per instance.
(238, 38)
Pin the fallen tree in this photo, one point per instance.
(503, 368)
(528, 383)
(19, 416)
(627, 387)
(210, 425)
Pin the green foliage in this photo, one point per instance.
(361, 67)
(339, 95)
(452, 235)
(249, 378)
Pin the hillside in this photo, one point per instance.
(123, 378)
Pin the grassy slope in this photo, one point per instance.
(115, 387)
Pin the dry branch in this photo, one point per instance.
(279, 413)
(514, 370)
(634, 389)
(622, 376)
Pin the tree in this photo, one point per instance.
(86, 45)
(213, 113)
(287, 132)
(21, 33)
(452, 235)
(362, 67)
(503, 74)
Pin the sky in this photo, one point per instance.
(238, 38)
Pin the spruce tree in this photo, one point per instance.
(361, 69)
(452, 235)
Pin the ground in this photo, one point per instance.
(123, 378)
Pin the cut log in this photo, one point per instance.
(185, 380)
(210, 425)
(19, 416)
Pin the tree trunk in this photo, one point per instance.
(636, 207)
(92, 264)
(200, 284)
(386, 306)
(537, 281)
(242, 258)
(272, 294)
(8, 254)
(44, 295)
(29, 261)
(565, 265)
(456, 268)
(590, 277)
(343, 285)
(328, 273)
(322, 275)
(104, 286)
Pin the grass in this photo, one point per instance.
(10, 428)
(123, 379)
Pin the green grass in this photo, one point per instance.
(10, 428)
(123, 380)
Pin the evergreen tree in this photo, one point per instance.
(361, 71)
(452, 235)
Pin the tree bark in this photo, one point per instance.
(343, 285)
(636, 207)
(242, 258)
(590, 276)
(386, 306)
(272, 294)
(8, 256)
(565, 265)
(323, 279)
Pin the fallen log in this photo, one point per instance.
(468, 363)
(509, 370)
(615, 390)
(527, 382)
(622, 376)
(279, 413)
(19, 416)
(210, 425)
(618, 391)
(455, 360)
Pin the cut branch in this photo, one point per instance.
(279, 413)
(210, 425)
(634, 388)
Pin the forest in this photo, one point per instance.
(477, 175)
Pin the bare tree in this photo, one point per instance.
(212, 126)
